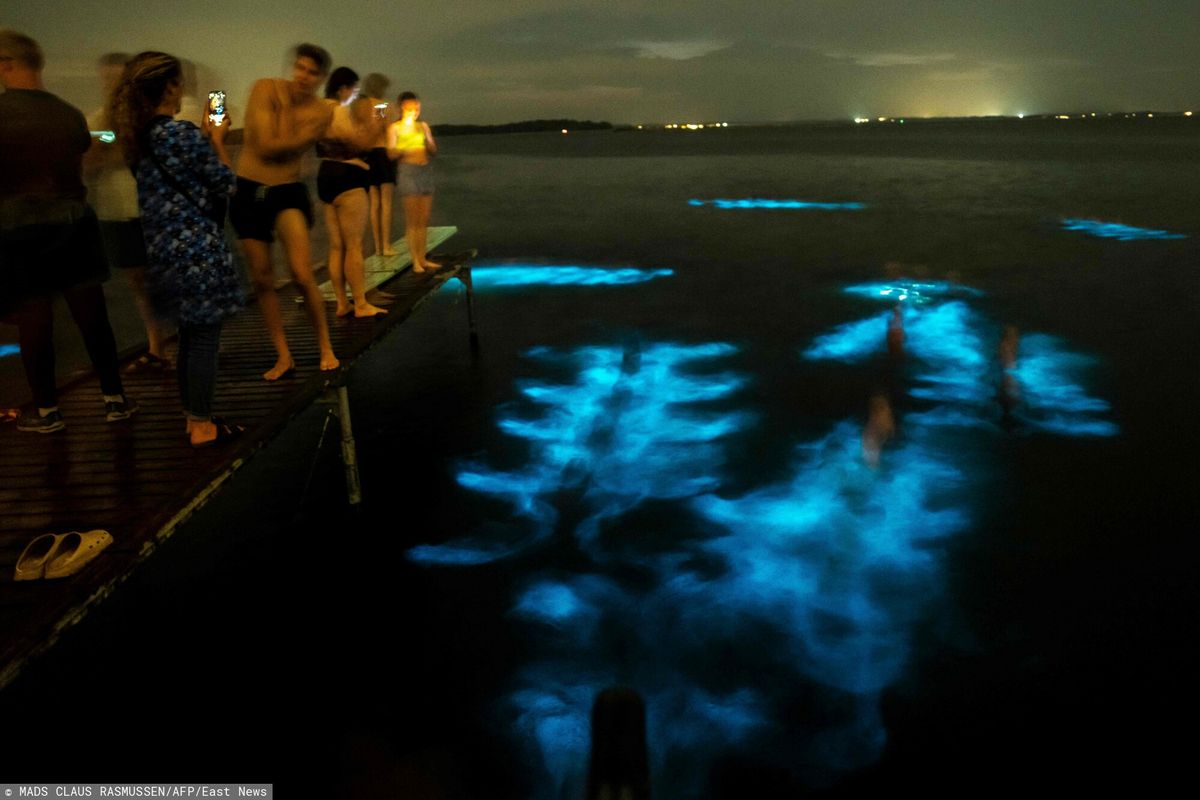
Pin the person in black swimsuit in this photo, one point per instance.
(342, 183)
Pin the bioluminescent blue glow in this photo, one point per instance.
(1050, 397)
(830, 570)
(507, 275)
(624, 431)
(1113, 230)
(755, 202)
(911, 291)
(950, 350)
(9, 350)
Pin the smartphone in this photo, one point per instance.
(108, 137)
(381, 110)
(216, 107)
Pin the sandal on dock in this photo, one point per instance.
(147, 362)
(32, 563)
(75, 551)
(226, 432)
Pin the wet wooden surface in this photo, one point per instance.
(140, 478)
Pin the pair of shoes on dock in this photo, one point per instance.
(57, 555)
(34, 421)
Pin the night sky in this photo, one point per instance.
(490, 61)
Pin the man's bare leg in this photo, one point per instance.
(292, 230)
(258, 257)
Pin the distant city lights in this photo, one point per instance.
(693, 126)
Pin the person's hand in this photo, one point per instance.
(216, 131)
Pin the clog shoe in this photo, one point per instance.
(32, 563)
(75, 550)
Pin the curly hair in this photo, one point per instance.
(137, 97)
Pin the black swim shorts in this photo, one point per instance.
(335, 177)
(254, 207)
(383, 169)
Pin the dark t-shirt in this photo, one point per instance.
(49, 238)
(42, 142)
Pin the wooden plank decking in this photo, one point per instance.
(139, 479)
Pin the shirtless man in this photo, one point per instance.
(283, 120)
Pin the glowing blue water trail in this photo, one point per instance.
(950, 353)
(912, 292)
(624, 431)
(754, 202)
(1113, 230)
(515, 275)
(836, 561)
(9, 350)
(1051, 398)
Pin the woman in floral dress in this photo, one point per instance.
(184, 181)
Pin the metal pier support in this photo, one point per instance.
(349, 456)
(464, 277)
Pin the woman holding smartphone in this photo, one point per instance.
(411, 142)
(184, 182)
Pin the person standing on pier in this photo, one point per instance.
(112, 192)
(283, 120)
(342, 182)
(49, 236)
(383, 169)
(184, 181)
(411, 141)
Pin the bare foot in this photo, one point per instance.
(283, 367)
(432, 264)
(368, 310)
(200, 432)
(388, 253)
(418, 269)
(344, 309)
(329, 361)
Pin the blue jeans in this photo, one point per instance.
(198, 346)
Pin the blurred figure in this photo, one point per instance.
(383, 169)
(184, 181)
(895, 333)
(879, 430)
(283, 120)
(49, 236)
(618, 767)
(411, 141)
(1010, 388)
(342, 183)
(112, 192)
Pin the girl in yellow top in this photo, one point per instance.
(411, 142)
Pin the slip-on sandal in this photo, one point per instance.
(32, 563)
(226, 432)
(75, 551)
(147, 362)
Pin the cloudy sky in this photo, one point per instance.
(489, 61)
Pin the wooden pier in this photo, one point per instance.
(139, 479)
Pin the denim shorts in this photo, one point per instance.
(415, 179)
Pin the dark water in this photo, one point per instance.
(661, 484)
